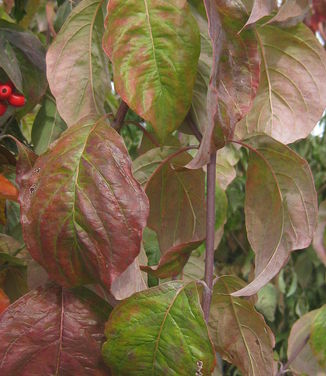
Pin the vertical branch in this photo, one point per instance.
(210, 231)
(120, 116)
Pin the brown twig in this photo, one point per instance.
(120, 116)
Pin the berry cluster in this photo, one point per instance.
(8, 95)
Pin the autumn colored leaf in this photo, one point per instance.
(291, 13)
(77, 67)
(280, 207)
(319, 242)
(4, 301)
(165, 44)
(145, 165)
(82, 211)
(238, 331)
(305, 362)
(289, 102)
(179, 218)
(260, 9)
(159, 331)
(7, 190)
(234, 75)
(50, 331)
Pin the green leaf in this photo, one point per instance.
(226, 159)
(267, 301)
(77, 68)
(160, 331)
(83, 213)
(238, 331)
(289, 102)
(318, 336)
(280, 207)
(48, 125)
(305, 362)
(165, 44)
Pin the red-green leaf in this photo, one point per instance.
(234, 75)
(319, 242)
(239, 332)
(305, 362)
(82, 211)
(163, 38)
(177, 211)
(289, 102)
(77, 68)
(160, 331)
(51, 332)
(280, 207)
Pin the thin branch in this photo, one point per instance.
(210, 232)
(145, 131)
(284, 369)
(120, 116)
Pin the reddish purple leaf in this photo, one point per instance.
(260, 9)
(319, 242)
(50, 332)
(280, 207)
(234, 75)
(82, 211)
(177, 211)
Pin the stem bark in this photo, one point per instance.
(210, 232)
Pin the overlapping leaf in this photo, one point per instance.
(82, 211)
(77, 68)
(260, 9)
(291, 12)
(305, 362)
(4, 301)
(239, 332)
(319, 242)
(48, 125)
(160, 331)
(162, 38)
(234, 75)
(51, 332)
(280, 207)
(289, 102)
(177, 210)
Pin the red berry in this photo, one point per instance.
(3, 108)
(9, 83)
(5, 91)
(16, 100)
